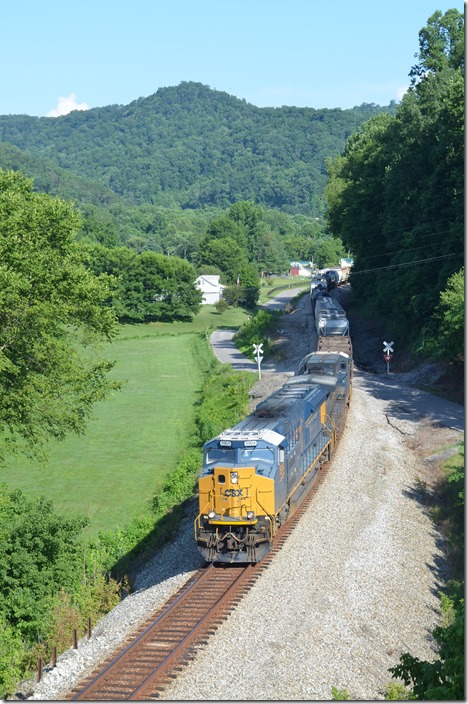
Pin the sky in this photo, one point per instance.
(59, 56)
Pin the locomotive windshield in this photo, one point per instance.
(254, 454)
(239, 455)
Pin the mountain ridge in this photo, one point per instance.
(201, 146)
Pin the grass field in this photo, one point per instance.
(137, 436)
(277, 283)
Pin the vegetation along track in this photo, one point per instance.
(167, 640)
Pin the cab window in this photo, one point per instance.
(220, 454)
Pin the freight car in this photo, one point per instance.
(330, 318)
(256, 474)
(318, 283)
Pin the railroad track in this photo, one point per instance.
(168, 641)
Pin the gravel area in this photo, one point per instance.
(355, 585)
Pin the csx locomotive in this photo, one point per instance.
(256, 474)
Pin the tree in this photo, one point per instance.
(396, 195)
(328, 252)
(226, 254)
(452, 313)
(441, 45)
(41, 552)
(149, 286)
(250, 218)
(51, 309)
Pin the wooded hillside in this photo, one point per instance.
(187, 146)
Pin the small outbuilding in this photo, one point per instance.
(210, 287)
(300, 269)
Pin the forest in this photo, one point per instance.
(396, 198)
(107, 217)
(187, 146)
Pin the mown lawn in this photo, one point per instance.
(278, 283)
(137, 436)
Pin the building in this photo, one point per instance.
(210, 287)
(300, 269)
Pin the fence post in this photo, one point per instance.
(89, 627)
(75, 639)
(39, 669)
(54, 656)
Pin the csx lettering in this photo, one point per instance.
(233, 492)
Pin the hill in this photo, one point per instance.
(188, 146)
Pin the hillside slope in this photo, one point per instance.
(192, 146)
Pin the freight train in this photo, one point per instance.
(256, 474)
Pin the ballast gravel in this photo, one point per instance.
(354, 586)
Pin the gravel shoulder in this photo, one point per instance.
(355, 586)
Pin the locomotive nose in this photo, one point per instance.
(232, 492)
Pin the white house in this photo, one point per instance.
(210, 287)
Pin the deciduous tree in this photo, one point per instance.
(51, 309)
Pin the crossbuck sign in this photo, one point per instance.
(258, 352)
(387, 350)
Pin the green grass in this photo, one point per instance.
(136, 437)
(278, 283)
(208, 317)
(134, 440)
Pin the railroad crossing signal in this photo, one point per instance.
(258, 349)
(388, 349)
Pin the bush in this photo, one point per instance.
(225, 401)
(256, 331)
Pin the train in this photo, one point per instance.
(327, 279)
(256, 474)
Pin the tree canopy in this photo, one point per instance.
(396, 194)
(148, 286)
(51, 319)
(187, 146)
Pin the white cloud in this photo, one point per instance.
(399, 93)
(66, 105)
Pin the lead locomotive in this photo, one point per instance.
(256, 474)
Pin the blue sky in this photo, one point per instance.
(57, 55)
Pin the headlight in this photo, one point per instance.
(234, 477)
(321, 323)
(250, 515)
(212, 514)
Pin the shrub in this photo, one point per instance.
(256, 331)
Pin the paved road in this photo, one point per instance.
(403, 400)
(226, 351)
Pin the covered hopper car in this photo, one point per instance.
(330, 318)
(256, 474)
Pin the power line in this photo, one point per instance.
(397, 266)
(402, 251)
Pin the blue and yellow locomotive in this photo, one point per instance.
(256, 474)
